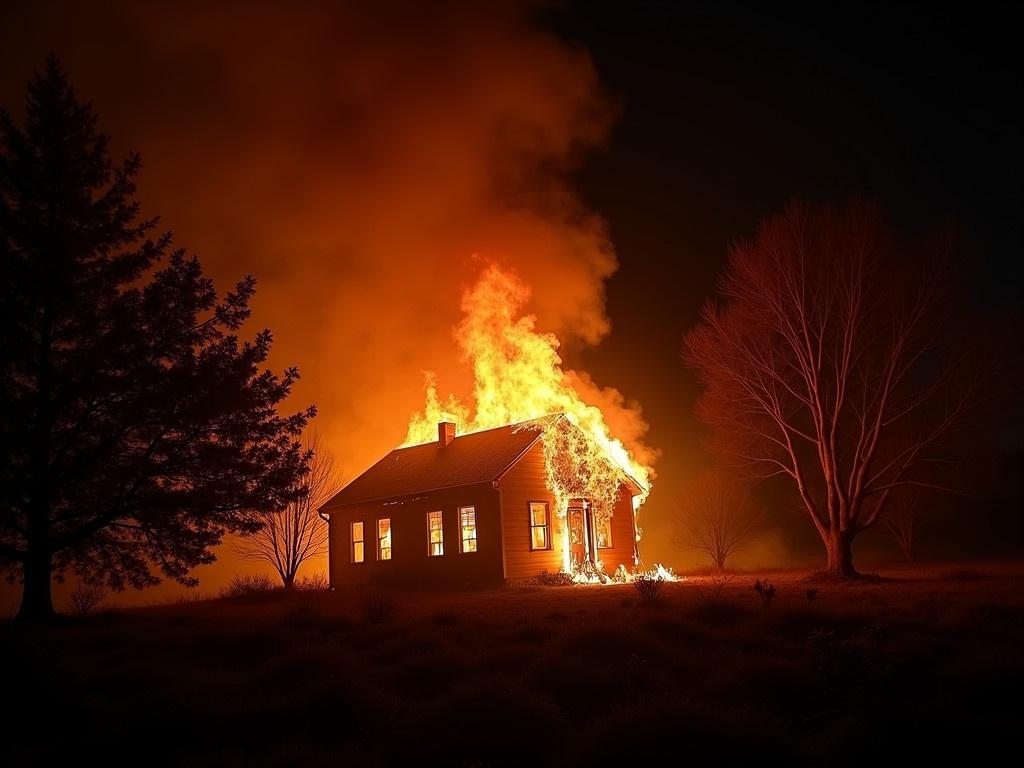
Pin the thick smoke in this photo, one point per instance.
(353, 158)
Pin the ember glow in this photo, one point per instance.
(518, 376)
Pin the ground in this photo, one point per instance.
(923, 663)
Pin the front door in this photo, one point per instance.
(581, 533)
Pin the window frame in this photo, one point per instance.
(352, 541)
(430, 531)
(462, 532)
(547, 525)
(380, 539)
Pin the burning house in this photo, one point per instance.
(517, 492)
(487, 507)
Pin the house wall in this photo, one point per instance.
(410, 565)
(524, 483)
(623, 535)
(527, 482)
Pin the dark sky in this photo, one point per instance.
(354, 156)
(728, 112)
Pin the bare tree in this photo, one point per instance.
(830, 363)
(85, 597)
(902, 521)
(289, 537)
(717, 516)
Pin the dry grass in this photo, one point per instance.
(256, 585)
(920, 664)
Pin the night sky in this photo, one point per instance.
(354, 160)
(729, 111)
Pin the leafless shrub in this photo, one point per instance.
(85, 597)
(291, 536)
(378, 607)
(318, 582)
(711, 589)
(648, 587)
(765, 590)
(718, 516)
(247, 585)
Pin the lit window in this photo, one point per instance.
(358, 542)
(435, 528)
(384, 538)
(603, 529)
(539, 538)
(467, 524)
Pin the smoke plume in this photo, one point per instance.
(353, 157)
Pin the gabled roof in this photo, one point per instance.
(476, 457)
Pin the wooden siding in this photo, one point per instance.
(503, 534)
(410, 565)
(623, 535)
(524, 483)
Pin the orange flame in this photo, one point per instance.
(518, 376)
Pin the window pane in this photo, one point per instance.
(467, 524)
(604, 532)
(435, 534)
(538, 525)
(357, 542)
(384, 538)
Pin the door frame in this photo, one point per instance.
(589, 533)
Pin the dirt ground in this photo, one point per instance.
(922, 663)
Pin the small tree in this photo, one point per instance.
(902, 521)
(290, 536)
(135, 428)
(717, 516)
(829, 362)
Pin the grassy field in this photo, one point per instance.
(921, 664)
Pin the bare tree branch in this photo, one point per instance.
(830, 363)
(289, 537)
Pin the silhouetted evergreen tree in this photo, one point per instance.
(136, 428)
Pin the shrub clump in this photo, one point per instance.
(249, 585)
(85, 598)
(765, 590)
(648, 586)
(318, 582)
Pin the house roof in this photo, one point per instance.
(476, 457)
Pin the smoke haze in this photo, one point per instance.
(354, 158)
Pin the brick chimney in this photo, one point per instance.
(445, 432)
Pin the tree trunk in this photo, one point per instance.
(289, 582)
(839, 545)
(37, 596)
(908, 551)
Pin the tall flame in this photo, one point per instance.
(518, 376)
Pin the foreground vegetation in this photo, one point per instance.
(923, 663)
